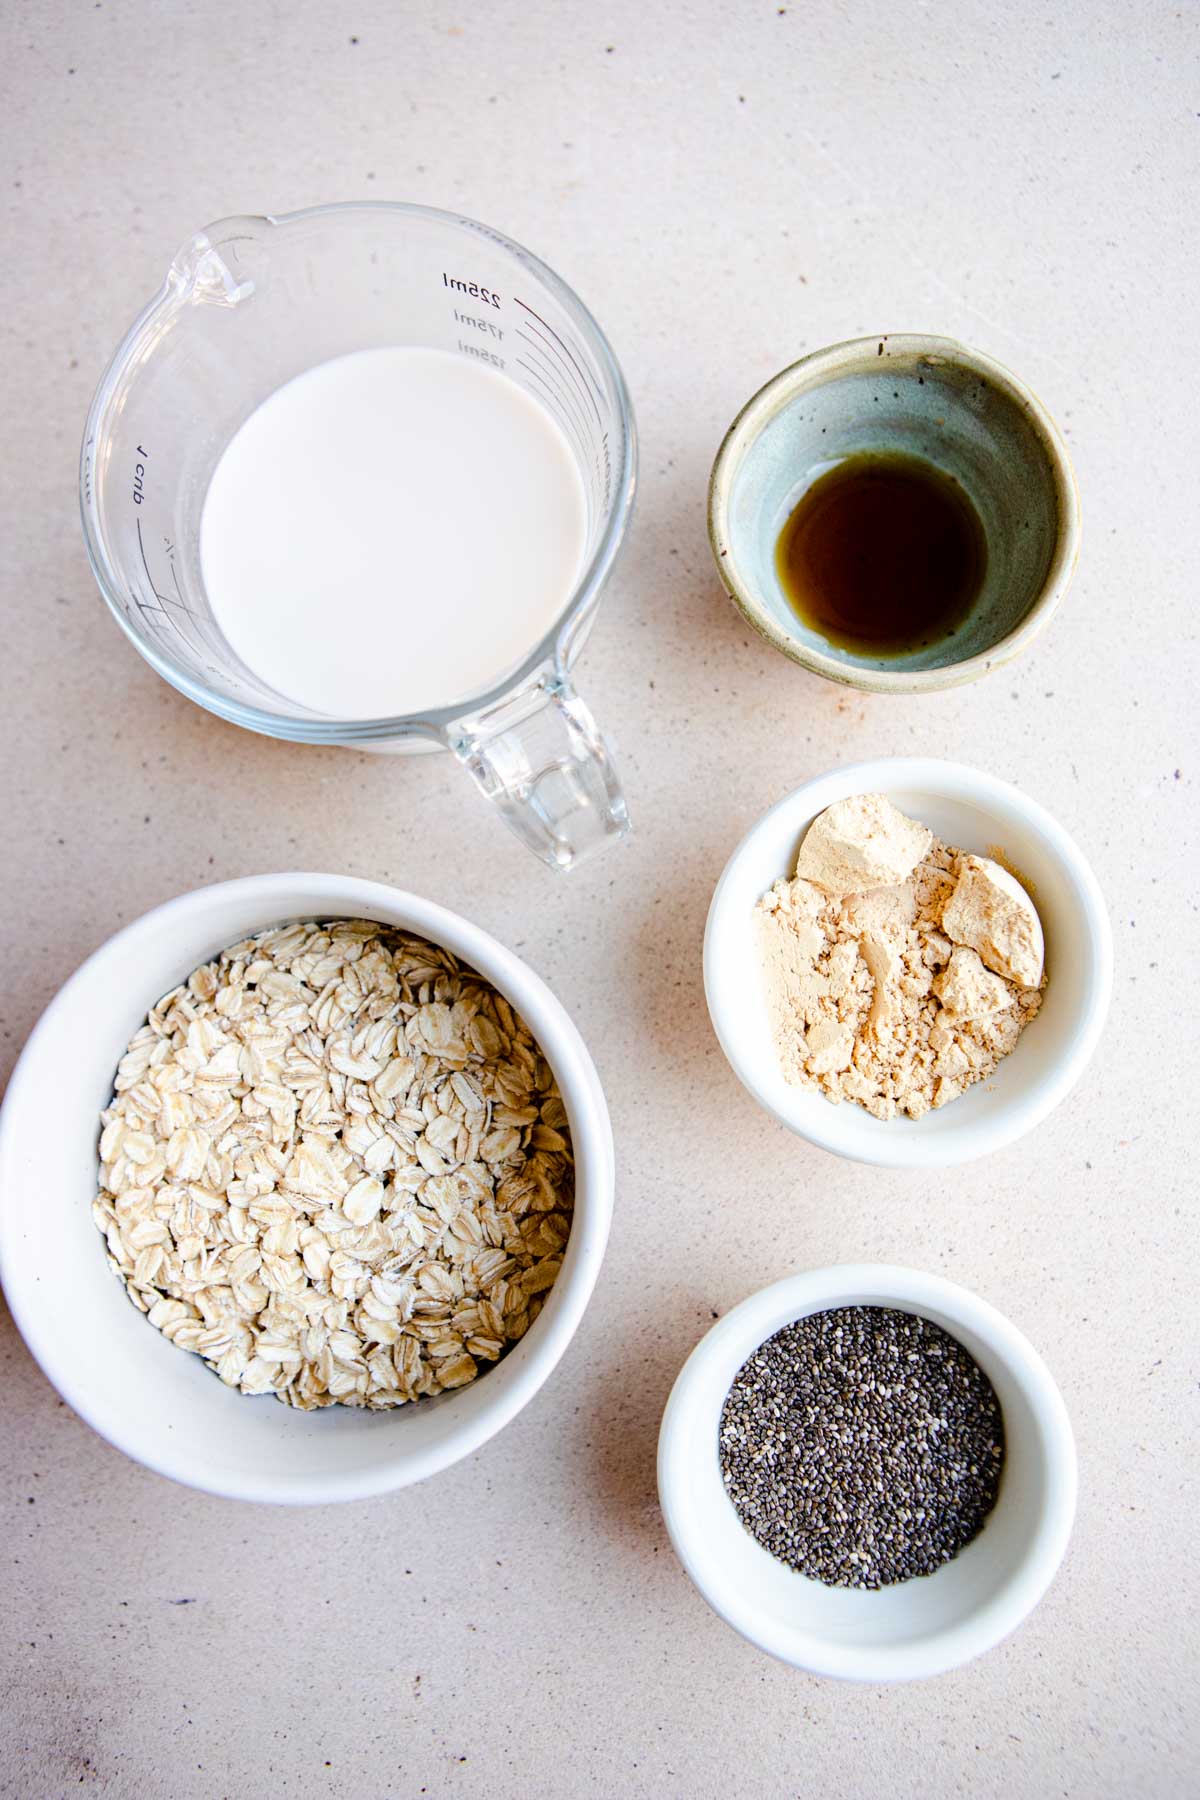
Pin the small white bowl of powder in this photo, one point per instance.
(1046, 1023)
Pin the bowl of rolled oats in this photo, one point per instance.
(307, 1182)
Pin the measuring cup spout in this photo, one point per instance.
(216, 266)
(540, 756)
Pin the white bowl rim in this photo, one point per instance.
(716, 1360)
(908, 1148)
(332, 896)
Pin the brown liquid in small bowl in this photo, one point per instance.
(884, 554)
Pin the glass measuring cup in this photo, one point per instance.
(248, 304)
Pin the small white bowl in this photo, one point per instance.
(916, 1628)
(974, 812)
(156, 1402)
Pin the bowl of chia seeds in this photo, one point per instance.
(868, 1472)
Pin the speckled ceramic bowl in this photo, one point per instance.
(927, 397)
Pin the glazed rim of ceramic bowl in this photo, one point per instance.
(912, 1629)
(856, 355)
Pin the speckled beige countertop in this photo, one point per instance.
(726, 186)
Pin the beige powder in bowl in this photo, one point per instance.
(899, 970)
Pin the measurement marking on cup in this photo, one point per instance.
(564, 418)
(142, 551)
(139, 476)
(536, 315)
(150, 612)
(496, 331)
(584, 439)
(553, 355)
(569, 427)
(471, 288)
(601, 455)
(554, 377)
(164, 600)
(481, 355)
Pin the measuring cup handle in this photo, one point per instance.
(540, 756)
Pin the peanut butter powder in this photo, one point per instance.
(899, 970)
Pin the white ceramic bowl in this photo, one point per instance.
(160, 1404)
(975, 812)
(915, 1628)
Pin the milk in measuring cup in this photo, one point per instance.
(392, 532)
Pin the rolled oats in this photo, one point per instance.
(337, 1167)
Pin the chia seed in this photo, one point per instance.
(862, 1446)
